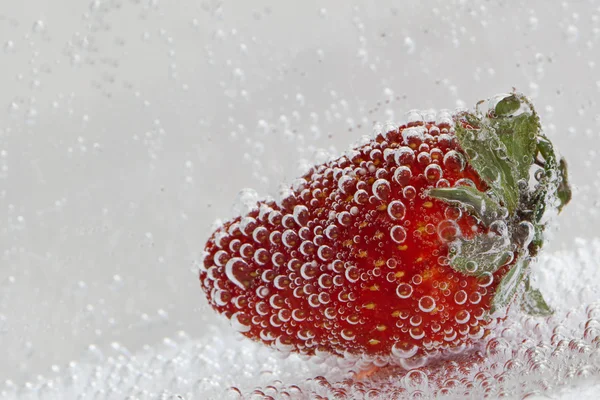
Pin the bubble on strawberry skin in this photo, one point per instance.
(404, 290)
(301, 215)
(404, 156)
(448, 230)
(409, 192)
(460, 297)
(404, 350)
(240, 322)
(433, 173)
(381, 189)
(325, 253)
(346, 184)
(454, 161)
(237, 271)
(396, 210)
(348, 334)
(398, 234)
(426, 304)
(344, 218)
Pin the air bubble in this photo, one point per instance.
(413, 136)
(240, 322)
(485, 279)
(443, 183)
(278, 259)
(398, 234)
(361, 197)
(404, 156)
(416, 379)
(237, 272)
(475, 298)
(330, 313)
(307, 248)
(448, 230)
(261, 256)
(471, 266)
(452, 212)
(426, 304)
(404, 350)
(346, 184)
(344, 218)
(417, 279)
(301, 215)
(525, 233)
(414, 117)
(281, 282)
(381, 189)
(275, 238)
(324, 298)
(332, 232)
(454, 161)
(222, 298)
(416, 320)
(348, 334)
(260, 235)
(404, 290)
(465, 182)
(433, 173)
(235, 245)
(396, 210)
(220, 258)
(299, 315)
(417, 333)
(352, 274)
(325, 253)
(402, 175)
(325, 281)
(409, 192)
(247, 225)
(247, 250)
(462, 317)
(309, 270)
(460, 297)
(424, 159)
(276, 301)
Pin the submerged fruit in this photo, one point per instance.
(404, 247)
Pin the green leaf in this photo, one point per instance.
(508, 105)
(484, 253)
(508, 286)
(540, 205)
(556, 178)
(533, 303)
(501, 146)
(564, 190)
(546, 149)
(519, 135)
(484, 207)
(487, 154)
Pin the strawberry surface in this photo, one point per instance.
(363, 255)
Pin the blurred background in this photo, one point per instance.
(127, 127)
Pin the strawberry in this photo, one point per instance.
(407, 247)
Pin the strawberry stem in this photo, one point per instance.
(502, 146)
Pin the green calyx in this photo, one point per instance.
(508, 150)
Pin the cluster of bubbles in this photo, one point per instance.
(294, 272)
(527, 357)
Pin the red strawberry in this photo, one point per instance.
(404, 247)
